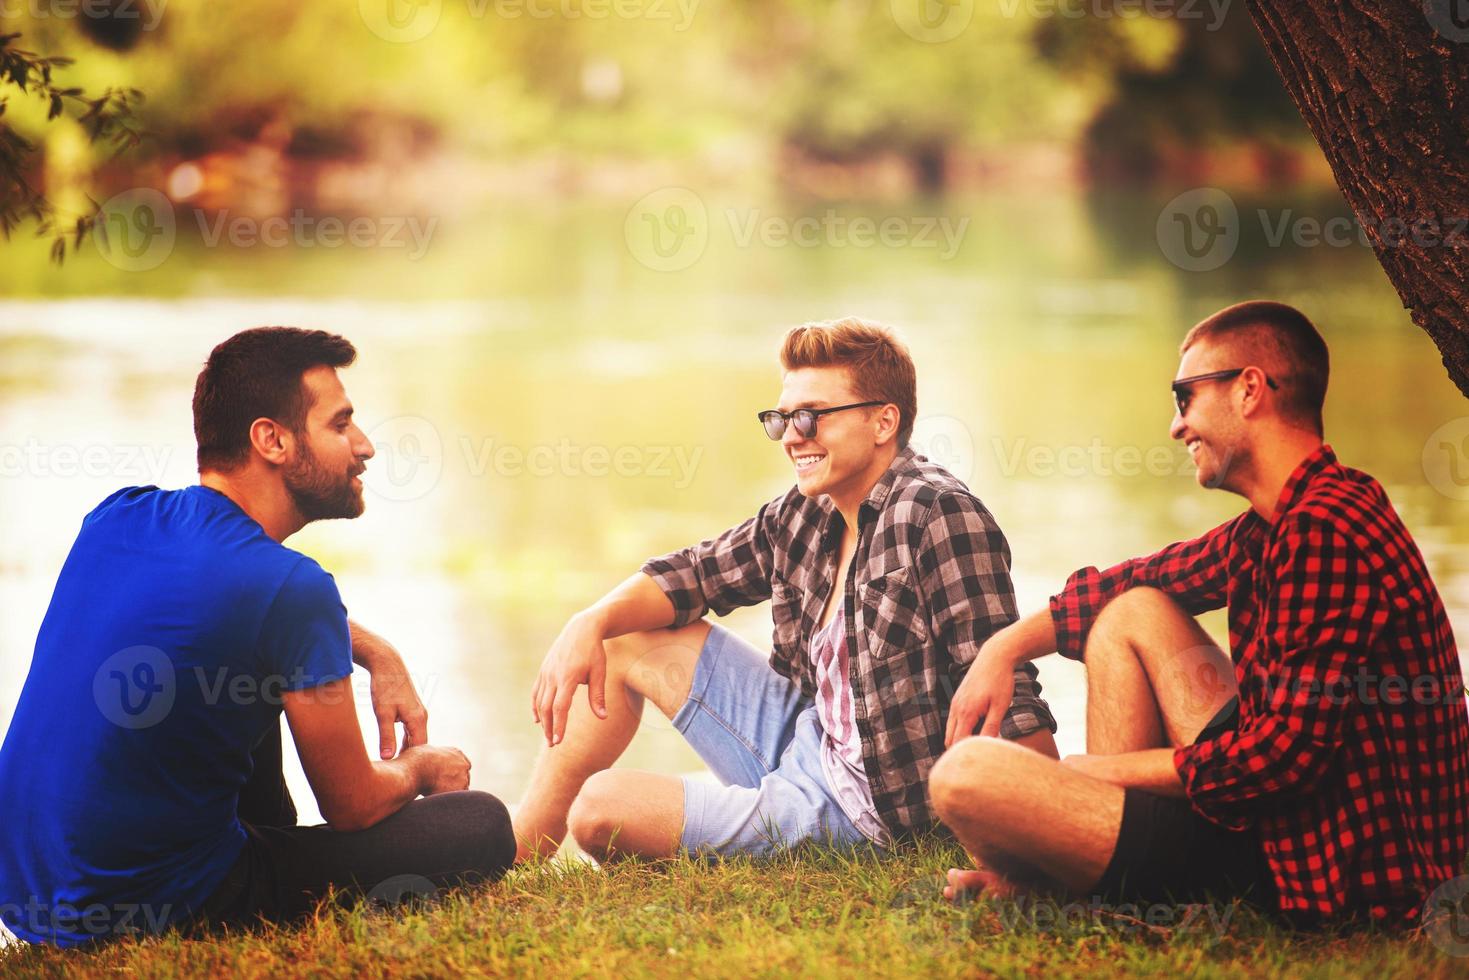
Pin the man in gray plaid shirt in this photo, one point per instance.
(885, 576)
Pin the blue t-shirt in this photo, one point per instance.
(175, 628)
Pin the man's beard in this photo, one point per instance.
(320, 495)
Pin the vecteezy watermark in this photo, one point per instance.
(402, 889)
(568, 459)
(1446, 459)
(149, 12)
(1124, 917)
(411, 457)
(1200, 230)
(946, 441)
(34, 458)
(140, 686)
(1365, 687)
(1450, 18)
(85, 922)
(1212, 11)
(932, 21)
(937, 21)
(1446, 916)
(669, 230)
(1094, 459)
(301, 230)
(137, 230)
(135, 687)
(406, 21)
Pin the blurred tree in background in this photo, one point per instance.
(757, 85)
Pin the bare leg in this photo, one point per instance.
(1002, 800)
(624, 812)
(658, 666)
(1154, 679)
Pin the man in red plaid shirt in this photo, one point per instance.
(1323, 771)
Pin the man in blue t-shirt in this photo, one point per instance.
(140, 779)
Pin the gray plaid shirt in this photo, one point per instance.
(931, 584)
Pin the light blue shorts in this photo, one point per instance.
(761, 738)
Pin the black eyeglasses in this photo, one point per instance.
(1182, 394)
(775, 420)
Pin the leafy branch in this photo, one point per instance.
(109, 118)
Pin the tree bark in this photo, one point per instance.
(1384, 87)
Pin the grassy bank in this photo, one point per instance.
(815, 913)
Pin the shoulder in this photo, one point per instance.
(1348, 505)
(930, 503)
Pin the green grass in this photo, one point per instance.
(815, 912)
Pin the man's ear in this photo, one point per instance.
(1252, 398)
(888, 418)
(271, 440)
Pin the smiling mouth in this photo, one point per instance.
(807, 461)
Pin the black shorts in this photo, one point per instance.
(1168, 853)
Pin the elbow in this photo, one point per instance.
(348, 817)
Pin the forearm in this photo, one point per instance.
(1151, 770)
(636, 604)
(1028, 638)
(390, 785)
(367, 646)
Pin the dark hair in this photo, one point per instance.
(257, 374)
(1283, 342)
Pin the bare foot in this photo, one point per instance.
(966, 884)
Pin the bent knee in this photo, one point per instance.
(595, 816)
(1137, 606)
(483, 824)
(965, 777)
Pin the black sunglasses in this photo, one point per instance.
(1182, 394)
(804, 419)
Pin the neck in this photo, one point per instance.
(264, 500)
(1262, 484)
(848, 498)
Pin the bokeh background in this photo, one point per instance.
(567, 235)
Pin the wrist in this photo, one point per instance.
(592, 619)
(415, 762)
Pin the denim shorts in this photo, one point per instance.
(761, 738)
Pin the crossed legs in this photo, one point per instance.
(1154, 680)
(572, 787)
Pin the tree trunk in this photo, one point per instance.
(1384, 87)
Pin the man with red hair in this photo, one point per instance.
(885, 576)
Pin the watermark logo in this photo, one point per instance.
(1446, 916)
(301, 230)
(135, 688)
(1446, 459)
(401, 21)
(932, 21)
(947, 441)
(661, 676)
(1199, 230)
(409, 460)
(149, 14)
(667, 230)
(136, 230)
(402, 889)
(1450, 18)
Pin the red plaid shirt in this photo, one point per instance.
(1352, 753)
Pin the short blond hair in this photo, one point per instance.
(880, 365)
